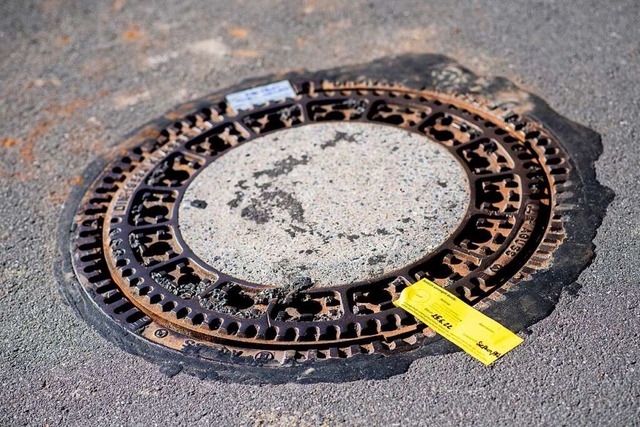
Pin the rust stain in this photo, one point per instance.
(26, 151)
(149, 132)
(18, 176)
(64, 40)
(9, 142)
(133, 33)
(67, 110)
(246, 53)
(56, 198)
(237, 32)
(76, 180)
(300, 43)
(60, 195)
(81, 142)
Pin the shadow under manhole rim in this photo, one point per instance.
(534, 208)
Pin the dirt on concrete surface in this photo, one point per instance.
(77, 76)
(264, 225)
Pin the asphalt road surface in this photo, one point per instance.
(76, 77)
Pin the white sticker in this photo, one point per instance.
(260, 95)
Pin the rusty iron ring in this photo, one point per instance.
(129, 257)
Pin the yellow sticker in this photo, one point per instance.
(475, 333)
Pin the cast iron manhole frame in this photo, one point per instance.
(521, 190)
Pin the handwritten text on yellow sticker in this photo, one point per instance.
(475, 333)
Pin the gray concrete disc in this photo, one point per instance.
(335, 202)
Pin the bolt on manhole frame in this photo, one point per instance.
(130, 262)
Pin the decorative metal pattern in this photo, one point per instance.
(129, 256)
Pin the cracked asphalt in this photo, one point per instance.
(76, 76)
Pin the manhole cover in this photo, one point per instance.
(278, 236)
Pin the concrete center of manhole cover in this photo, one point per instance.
(334, 202)
(360, 183)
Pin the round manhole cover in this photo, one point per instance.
(279, 235)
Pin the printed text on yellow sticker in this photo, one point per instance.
(478, 335)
